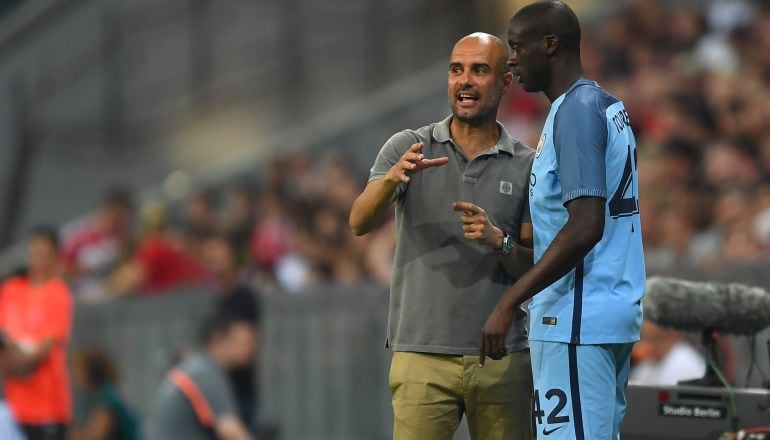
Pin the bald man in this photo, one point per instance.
(453, 259)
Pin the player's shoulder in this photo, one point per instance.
(587, 95)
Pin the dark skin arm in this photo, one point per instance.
(583, 230)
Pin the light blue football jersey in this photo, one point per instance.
(587, 149)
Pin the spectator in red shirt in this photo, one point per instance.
(95, 246)
(36, 314)
(161, 261)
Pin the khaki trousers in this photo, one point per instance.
(430, 393)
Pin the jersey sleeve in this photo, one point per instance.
(389, 155)
(580, 141)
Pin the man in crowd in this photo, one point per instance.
(36, 315)
(94, 246)
(663, 358)
(234, 298)
(444, 284)
(196, 401)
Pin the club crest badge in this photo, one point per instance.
(540, 145)
(506, 187)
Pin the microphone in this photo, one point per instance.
(694, 306)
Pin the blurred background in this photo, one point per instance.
(149, 133)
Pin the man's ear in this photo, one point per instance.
(550, 43)
(507, 81)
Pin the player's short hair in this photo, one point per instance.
(551, 17)
(218, 324)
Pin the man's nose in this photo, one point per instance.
(465, 79)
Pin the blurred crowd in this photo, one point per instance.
(289, 231)
(696, 82)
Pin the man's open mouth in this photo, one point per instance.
(467, 97)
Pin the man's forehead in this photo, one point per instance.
(470, 49)
(517, 31)
(468, 53)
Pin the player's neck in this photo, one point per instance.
(474, 139)
(563, 76)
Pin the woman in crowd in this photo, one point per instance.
(108, 417)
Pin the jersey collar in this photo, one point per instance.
(581, 82)
(505, 143)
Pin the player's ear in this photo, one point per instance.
(550, 43)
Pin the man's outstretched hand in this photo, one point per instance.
(412, 162)
(477, 226)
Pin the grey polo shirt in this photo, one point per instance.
(174, 416)
(445, 286)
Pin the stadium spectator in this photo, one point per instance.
(271, 235)
(108, 417)
(36, 314)
(93, 247)
(239, 220)
(662, 357)
(160, 263)
(196, 401)
(201, 219)
(233, 298)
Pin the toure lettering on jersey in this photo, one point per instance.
(621, 120)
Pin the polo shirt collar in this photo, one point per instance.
(505, 143)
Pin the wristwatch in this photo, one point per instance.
(507, 246)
